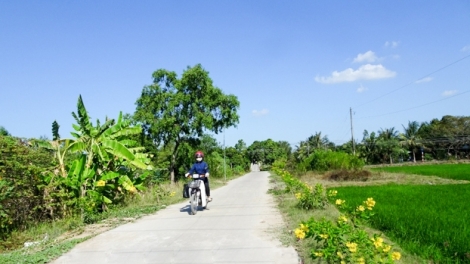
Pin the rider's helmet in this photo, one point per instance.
(199, 155)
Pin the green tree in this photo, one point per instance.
(388, 143)
(411, 138)
(369, 149)
(174, 110)
(4, 131)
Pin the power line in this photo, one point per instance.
(410, 83)
(403, 110)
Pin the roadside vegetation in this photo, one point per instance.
(422, 221)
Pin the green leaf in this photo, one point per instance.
(107, 200)
(109, 176)
(77, 146)
(118, 149)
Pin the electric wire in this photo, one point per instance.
(410, 83)
(407, 109)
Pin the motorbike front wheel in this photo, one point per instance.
(194, 203)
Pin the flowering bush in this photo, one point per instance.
(343, 241)
(308, 197)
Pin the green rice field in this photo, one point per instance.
(432, 221)
(449, 171)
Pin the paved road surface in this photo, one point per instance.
(239, 227)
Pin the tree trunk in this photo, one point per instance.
(172, 168)
(414, 156)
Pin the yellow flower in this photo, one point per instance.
(396, 255)
(370, 202)
(351, 246)
(318, 254)
(387, 248)
(172, 194)
(332, 193)
(298, 195)
(339, 202)
(324, 236)
(304, 227)
(361, 208)
(100, 183)
(378, 242)
(361, 261)
(299, 233)
(340, 254)
(343, 262)
(342, 219)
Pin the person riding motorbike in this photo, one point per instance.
(200, 167)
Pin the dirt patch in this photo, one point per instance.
(94, 229)
(379, 178)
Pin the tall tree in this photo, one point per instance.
(174, 110)
(389, 143)
(410, 138)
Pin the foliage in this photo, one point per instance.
(308, 197)
(312, 143)
(4, 131)
(324, 160)
(21, 170)
(268, 151)
(429, 221)
(344, 241)
(411, 138)
(173, 111)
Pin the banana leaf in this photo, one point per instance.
(110, 175)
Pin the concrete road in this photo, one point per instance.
(241, 226)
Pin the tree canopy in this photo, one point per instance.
(174, 110)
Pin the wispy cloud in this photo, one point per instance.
(391, 44)
(361, 89)
(369, 56)
(426, 79)
(448, 93)
(260, 112)
(466, 48)
(365, 72)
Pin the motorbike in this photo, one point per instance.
(197, 193)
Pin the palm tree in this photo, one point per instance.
(411, 137)
(369, 149)
(389, 143)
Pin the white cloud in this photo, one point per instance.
(448, 93)
(361, 89)
(426, 79)
(365, 72)
(369, 56)
(466, 48)
(260, 112)
(391, 44)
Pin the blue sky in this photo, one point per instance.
(297, 67)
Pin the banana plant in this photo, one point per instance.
(107, 157)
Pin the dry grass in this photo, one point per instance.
(375, 178)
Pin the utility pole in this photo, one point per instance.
(352, 132)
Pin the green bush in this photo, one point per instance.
(21, 169)
(324, 160)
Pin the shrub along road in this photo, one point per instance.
(241, 226)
